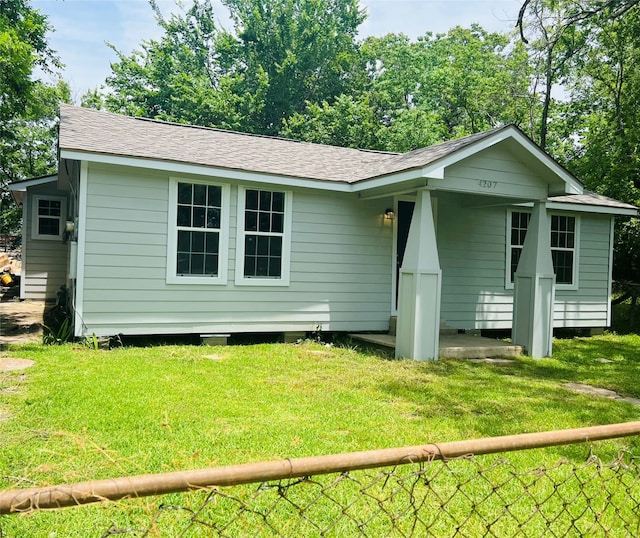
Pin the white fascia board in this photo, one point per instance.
(203, 170)
(584, 208)
(22, 186)
(433, 169)
(19, 189)
(255, 177)
(395, 179)
(571, 184)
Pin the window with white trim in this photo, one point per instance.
(49, 215)
(198, 230)
(563, 245)
(564, 241)
(264, 223)
(519, 225)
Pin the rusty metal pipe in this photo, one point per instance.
(23, 500)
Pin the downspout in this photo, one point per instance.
(80, 233)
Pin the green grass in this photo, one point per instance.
(80, 414)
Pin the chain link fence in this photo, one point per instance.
(430, 495)
(461, 497)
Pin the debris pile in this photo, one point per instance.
(10, 267)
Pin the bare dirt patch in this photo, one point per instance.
(599, 391)
(490, 360)
(9, 364)
(215, 357)
(20, 321)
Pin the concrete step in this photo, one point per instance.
(444, 328)
(454, 346)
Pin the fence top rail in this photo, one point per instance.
(24, 500)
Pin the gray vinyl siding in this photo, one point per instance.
(471, 245)
(45, 262)
(495, 171)
(340, 265)
(472, 248)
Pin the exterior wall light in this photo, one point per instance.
(389, 214)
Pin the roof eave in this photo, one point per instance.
(19, 188)
(178, 167)
(593, 208)
(24, 184)
(435, 169)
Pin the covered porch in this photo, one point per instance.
(453, 345)
(453, 255)
(419, 294)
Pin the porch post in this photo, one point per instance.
(534, 288)
(418, 328)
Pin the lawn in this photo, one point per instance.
(81, 414)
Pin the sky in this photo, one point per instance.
(83, 27)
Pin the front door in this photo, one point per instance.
(403, 222)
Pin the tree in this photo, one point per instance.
(28, 107)
(553, 43)
(182, 77)
(23, 47)
(30, 150)
(281, 54)
(595, 132)
(348, 122)
(295, 52)
(423, 92)
(581, 11)
(478, 79)
(605, 121)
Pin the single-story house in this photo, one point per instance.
(161, 228)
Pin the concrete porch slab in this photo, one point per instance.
(454, 346)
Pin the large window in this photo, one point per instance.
(264, 222)
(564, 240)
(198, 225)
(49, 214)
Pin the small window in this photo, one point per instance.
(197, 232)
(563, 246)
(264, 221)
(49, 214)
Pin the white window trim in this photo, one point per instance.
(576, 250)
(284, 279)
(172, 236)
(35, 217)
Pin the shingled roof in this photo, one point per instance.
(98, 132)
(104, 133)
(591, 198)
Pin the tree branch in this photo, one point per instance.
(593, 9)
(519, 22)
